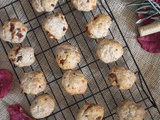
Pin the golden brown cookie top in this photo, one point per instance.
(74, 82)
(98, 26)
(121, 77)
(33, 82)
(67, 56)
(42, 106)
(109, 51)
(128, 110)
(91, 111)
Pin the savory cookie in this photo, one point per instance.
(98, 26)
(121, 77)
(91, 112)
(22, 56)
(84, 5)
(42, 106)
(13, 31)
(109, 50)
(74, 82)
(67, 56)
(33, 82)
(128, 110)
(44, 5)
(55, 26)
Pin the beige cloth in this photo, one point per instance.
(148, 63)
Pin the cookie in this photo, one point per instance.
(44, 5)
(22, 56)
(74, 82)
(55, 26)
(121, 77)
(109, 51)
(84, 5)
(13, 31)
(98, 26)
(128, 110)
(42, 106)
(67, 56)
(91, 112)
(33, 82)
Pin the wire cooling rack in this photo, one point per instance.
(99, 89)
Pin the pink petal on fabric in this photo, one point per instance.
(150, 43)
(16, 112)
(6, 81)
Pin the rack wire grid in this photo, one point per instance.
(99, 89)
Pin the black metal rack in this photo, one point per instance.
(99, 89)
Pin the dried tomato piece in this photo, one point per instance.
(16, 112)
(6, 81)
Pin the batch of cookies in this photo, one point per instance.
(67, 57)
